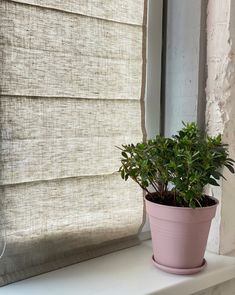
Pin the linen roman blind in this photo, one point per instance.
(71, 89)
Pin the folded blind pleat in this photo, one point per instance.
(128, 12)
(58, 55)
(71, 89)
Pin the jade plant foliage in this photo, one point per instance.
(178, 167)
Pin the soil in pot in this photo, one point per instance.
(169, 199)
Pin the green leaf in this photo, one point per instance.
(145, 183)
(122, 174)
(192, 203)
(124, 155)
(230, 168)
(141, 146)
(213, 182)
(216, 175)
(230, 160)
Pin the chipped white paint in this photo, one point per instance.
(218, 60)
(220, 112)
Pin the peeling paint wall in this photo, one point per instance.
(220, 113)
(228, 193)
(219, 65)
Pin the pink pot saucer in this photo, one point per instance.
(180, 271)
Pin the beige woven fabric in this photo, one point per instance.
(72, 80)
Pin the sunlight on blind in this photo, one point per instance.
(71, 85)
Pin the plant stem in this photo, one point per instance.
(156, 189)
(144, 188)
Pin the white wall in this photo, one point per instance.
(220, 113)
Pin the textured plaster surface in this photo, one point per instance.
(220, 113)
(219, 65)
(228, 193)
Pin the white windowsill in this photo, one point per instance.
(125, 272)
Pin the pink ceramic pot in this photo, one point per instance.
(179, 236)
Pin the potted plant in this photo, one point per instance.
(174, 172)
